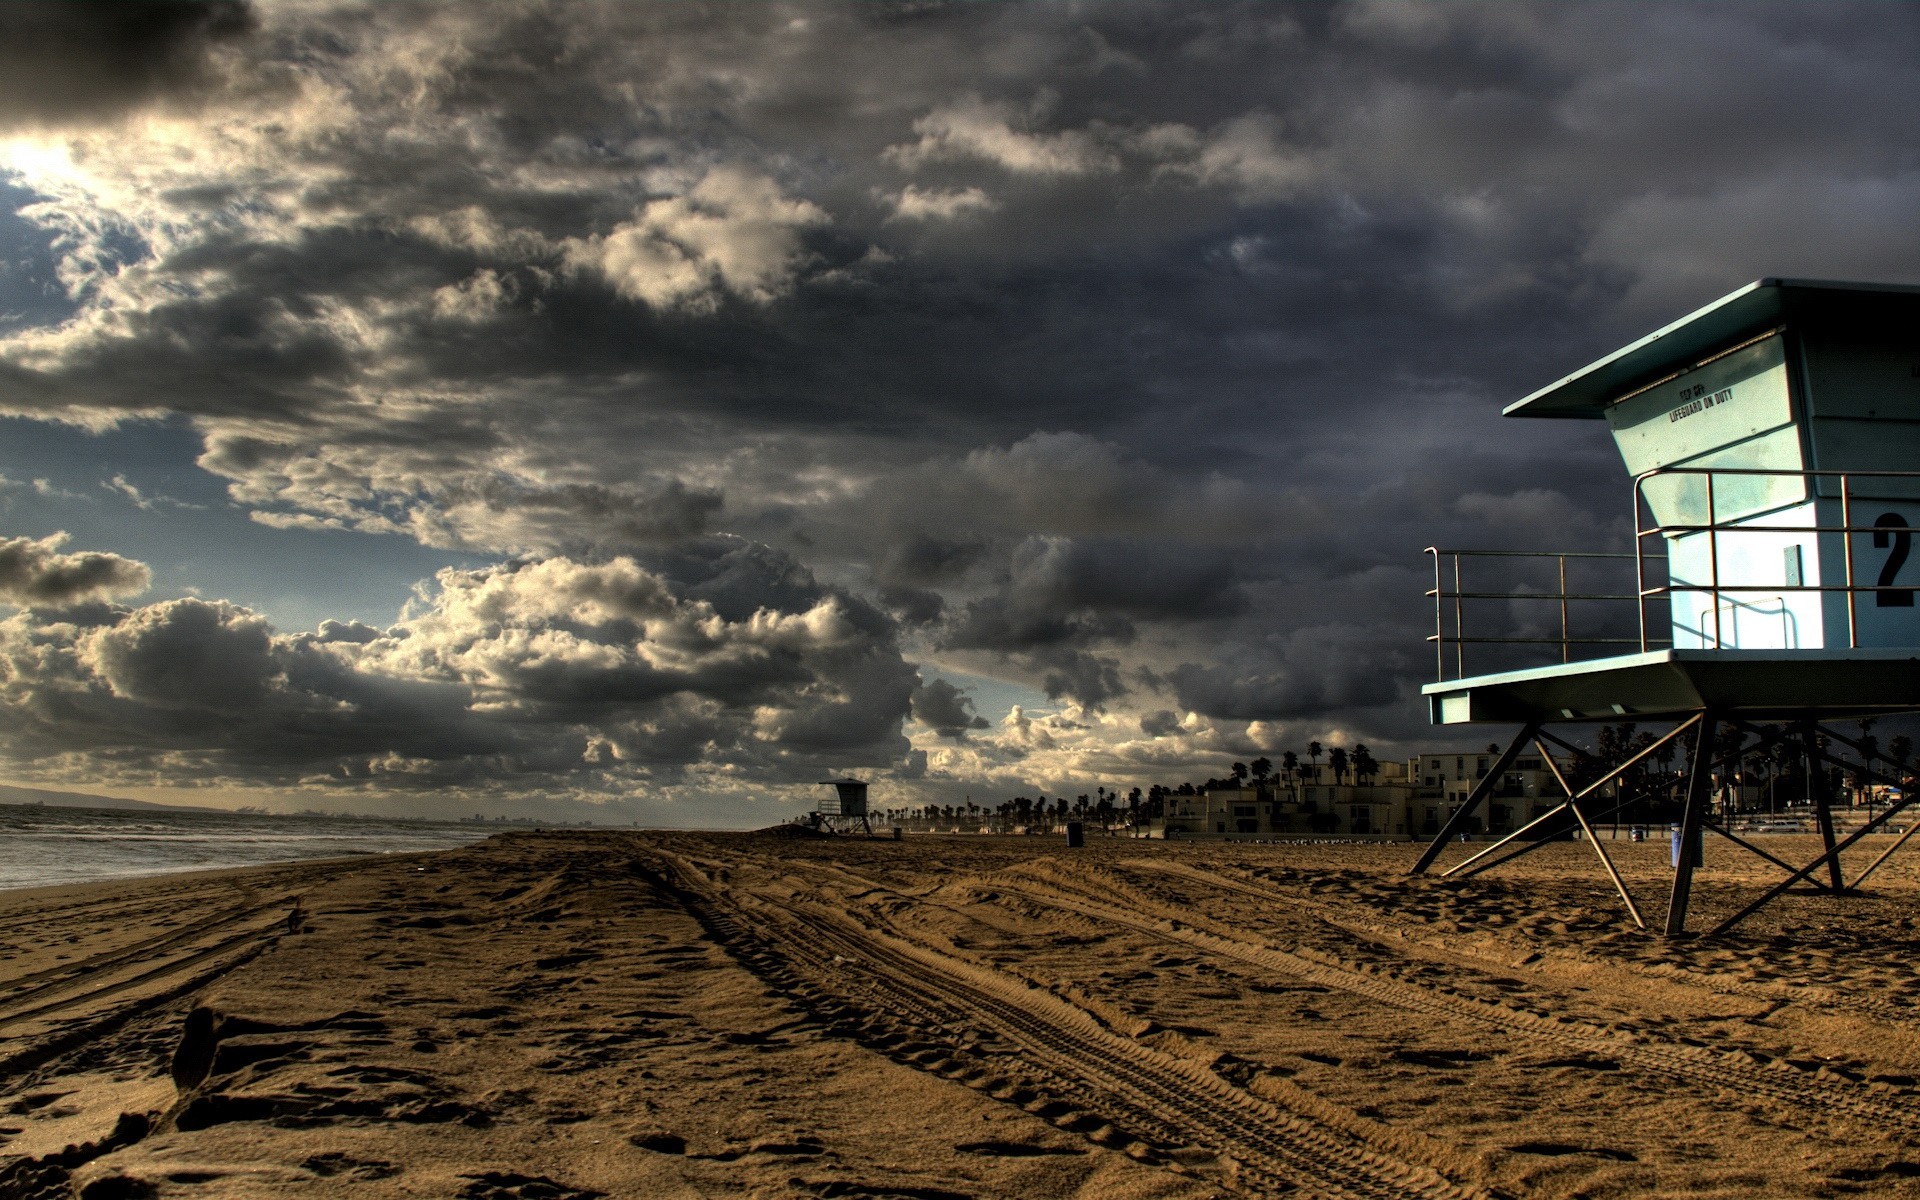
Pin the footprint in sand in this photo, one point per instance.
(333, 1163)
(1562, 1149)
(1014, 1149)
(660, 1143)
(507, 1185)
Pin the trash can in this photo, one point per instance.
(1076, 834)
(1699, 852)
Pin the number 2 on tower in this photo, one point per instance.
(1890, 531)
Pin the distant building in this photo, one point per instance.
(1442, 781)
(1406, 799)
(1343, 809)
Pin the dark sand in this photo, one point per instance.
(673, 1015)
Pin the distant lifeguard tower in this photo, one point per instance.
(1774, 442)
(846, 810)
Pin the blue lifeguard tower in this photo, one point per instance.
(1773, 438)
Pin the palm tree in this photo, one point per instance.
(1338, 761)
(1239, 773)
(1364, 767)
(1784, 753)
(1290, 764)
(1314, 752)
(1869, 754)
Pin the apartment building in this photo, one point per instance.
(1442, 781)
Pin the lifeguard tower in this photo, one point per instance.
(1773, 438)
(846, 810)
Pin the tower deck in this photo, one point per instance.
(1756, 685)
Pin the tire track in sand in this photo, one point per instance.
(967, 1020)
(1821, 1091)
(1361, 920)
(70, 1006)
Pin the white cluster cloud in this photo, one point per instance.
(932, 204)
(733, 233)
(607, 676)
(971, 128)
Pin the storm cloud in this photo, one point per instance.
(37, 573)
(1125, 355)
(89, 59)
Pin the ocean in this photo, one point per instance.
(40, 846)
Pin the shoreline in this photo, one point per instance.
(55, 847)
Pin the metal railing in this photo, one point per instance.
(1895, 537)
(1459, 595)
(1450, 592)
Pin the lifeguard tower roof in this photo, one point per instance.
(1753, 311)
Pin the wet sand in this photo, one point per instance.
(642, 1015)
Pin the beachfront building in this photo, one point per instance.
(1443, 780)
(1290, 810)
(1413, 798)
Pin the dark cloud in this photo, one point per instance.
(1085, 678)
(62, 60)
(1311, 672)
(946, 709)
(913, 606)
(187, 654)
(1159, 724)
(347, 631)
(1128, 353)
(37, 573)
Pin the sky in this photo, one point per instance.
(641, 412)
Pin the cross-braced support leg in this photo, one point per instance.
(1481, 790)
(1692, 819)
(1780, 889)
(1593, 839)
(1821, 793)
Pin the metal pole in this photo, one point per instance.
(1741, 842)
(1618, 884)
(1565, 649)
(1699, 778)
(1523, 851)
(1875, 864)
(1459, 623)
(1480, 791)
(1846, 541)
(1713, 561)
(1591, 788)
(1810, 868)
(1516, 835)
(1439, 617)
(1640, 567)
(1822, 802)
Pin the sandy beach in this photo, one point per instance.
(575, 1015)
